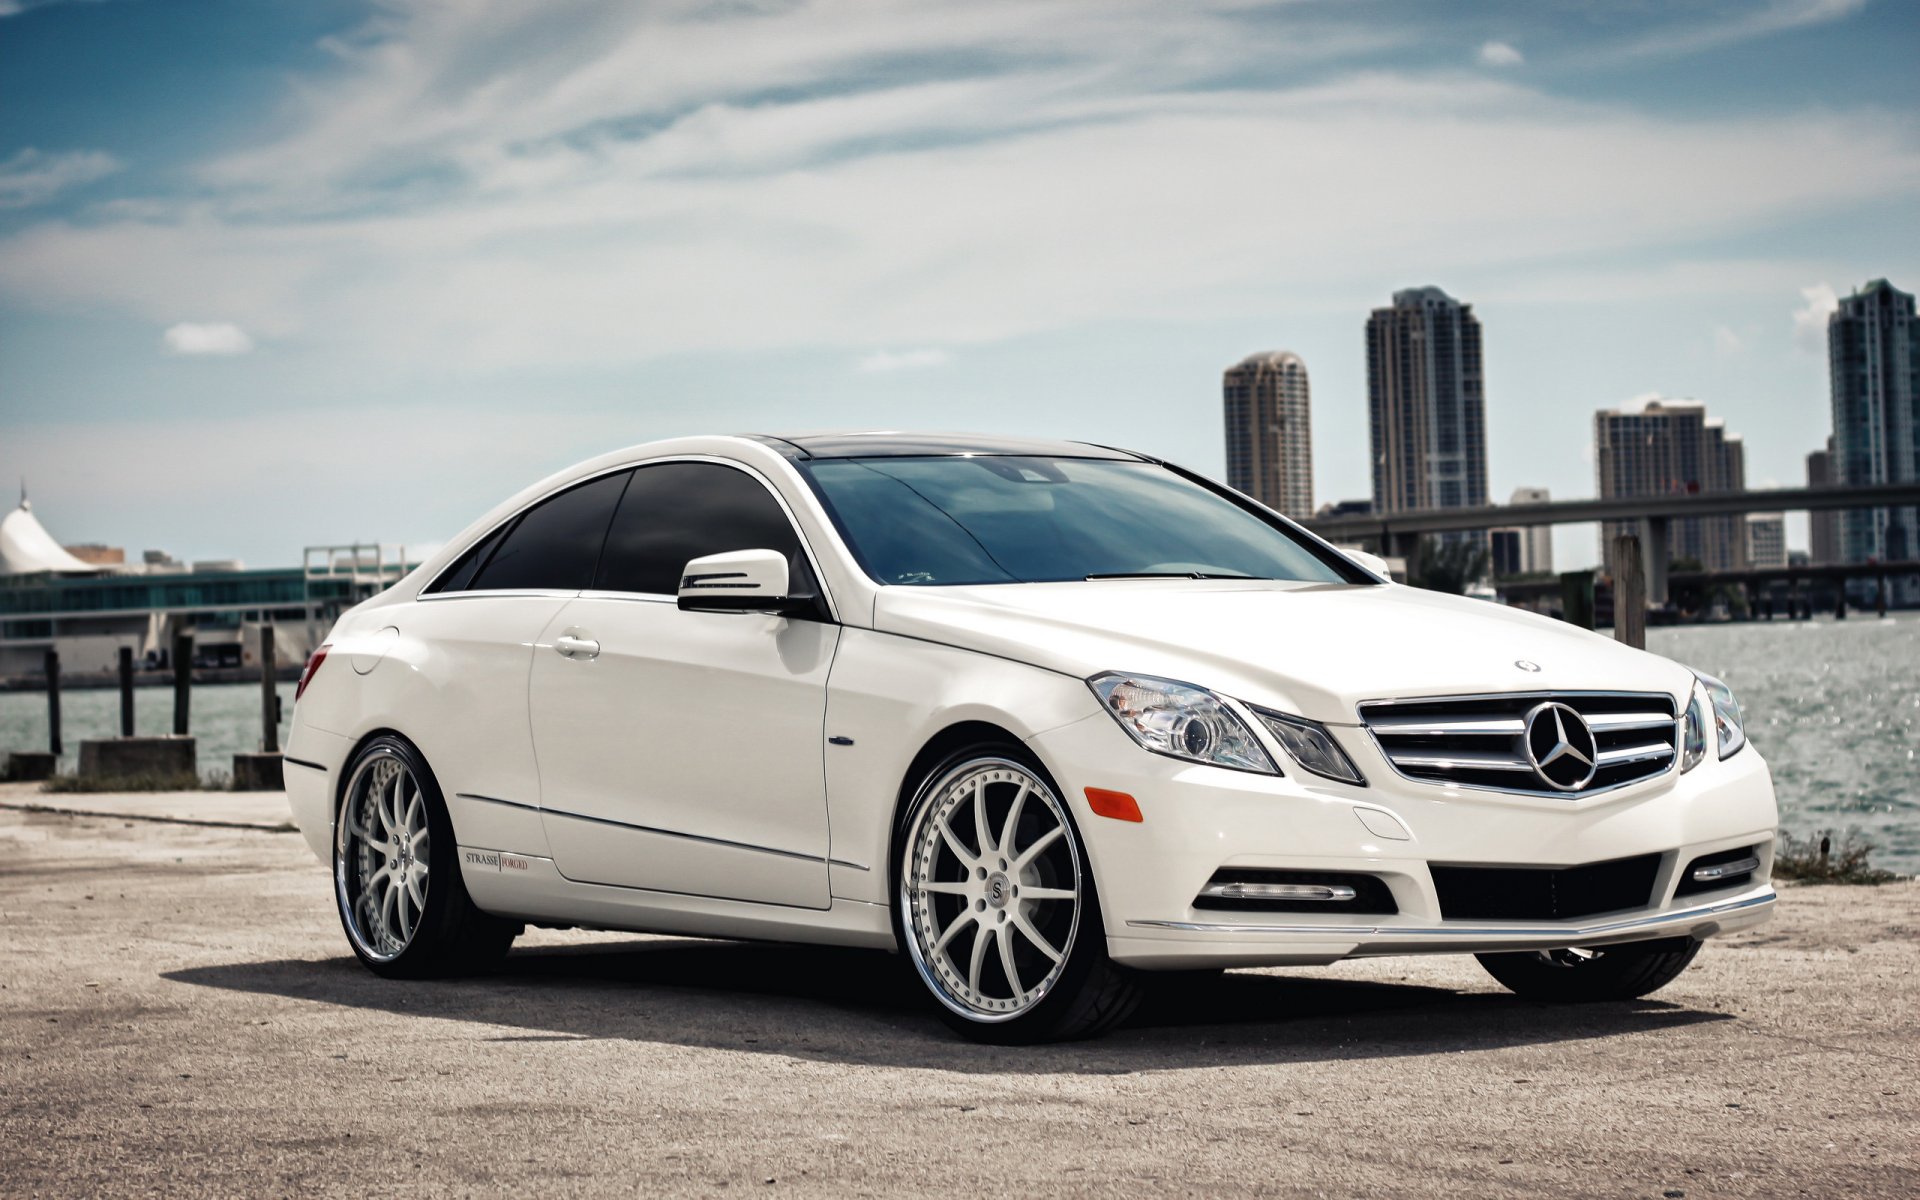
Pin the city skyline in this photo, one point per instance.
(370, 267)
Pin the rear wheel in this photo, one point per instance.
(396, 879)
(1579, 976)
(997, 907)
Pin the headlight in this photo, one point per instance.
(1180, 720)
(1693, 734)
(1726, 716)
(1311, 746)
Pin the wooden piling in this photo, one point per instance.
(182, 681)
(53, 702)
(126, 691)
(269, 697)
(1629, 592)
(1576, 598)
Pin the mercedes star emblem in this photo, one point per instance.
(1560, 746)
(1525, 665)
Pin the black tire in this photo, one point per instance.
(450, 936)
(1091, 993)
(1625, 972)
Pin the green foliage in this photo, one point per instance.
(1818, 858)
(1447, 566)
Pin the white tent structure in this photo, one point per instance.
(27, 548)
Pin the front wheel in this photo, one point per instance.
(997, 908)
(396, 879)
(1576, 976)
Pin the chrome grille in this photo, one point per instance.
(1480, 741)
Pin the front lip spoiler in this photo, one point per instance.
(1680, 916)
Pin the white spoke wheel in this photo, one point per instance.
(397, 884)
(997, 909)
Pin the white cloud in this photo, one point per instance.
(608, 194)
(1500, 54)
(1810, 319)
(218, 339)
(31, 177)
(1740, 25)
(1726, 342)
(905, 360)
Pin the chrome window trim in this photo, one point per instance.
(752, 472)
(1672, 767)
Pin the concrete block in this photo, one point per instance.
(139, 757)
(258, 773)
(24, 765)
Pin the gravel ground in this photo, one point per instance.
(178, 1013)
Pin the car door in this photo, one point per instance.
(478, 621)
(683, 751)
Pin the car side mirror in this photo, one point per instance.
(740, 581)
(1372, 562)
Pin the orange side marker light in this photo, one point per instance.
(1118, 805)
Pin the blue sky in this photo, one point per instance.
(366, 268)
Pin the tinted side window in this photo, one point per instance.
(675, 512)
(459, 576)
(556, 543)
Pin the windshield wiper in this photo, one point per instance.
(1170, 575)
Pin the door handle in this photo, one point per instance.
(570, 646)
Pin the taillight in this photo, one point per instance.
(310, 670)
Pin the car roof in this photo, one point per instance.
(893, 443)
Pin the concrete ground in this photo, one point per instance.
(179, 1013)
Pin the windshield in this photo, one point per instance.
(998, 519)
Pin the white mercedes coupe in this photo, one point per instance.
(1044, 718)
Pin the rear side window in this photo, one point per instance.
(460, 576)
(556, 543)
(675, 512)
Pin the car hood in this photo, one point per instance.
(1313, 649)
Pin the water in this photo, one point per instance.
(225, 720)
(1835, 708)
(1833, 705)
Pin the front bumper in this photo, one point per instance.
(1199, 820)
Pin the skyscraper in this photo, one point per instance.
(1873, 352)
(1659, 447)
(1270, 432)
(1524, 549)
(1426, 406)
(1824, 534)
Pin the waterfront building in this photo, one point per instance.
(1873, 353)
(1658, 447)
(1425, 403)
(1824, 527)
(1766, 539)
(1344, 508)
(1270, 432)
(1523, 549)
(50, 599)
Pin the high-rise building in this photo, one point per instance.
(1426, 403)
(1523, 549)
(1270, 432)
(1873, 352)
(1766, 539)
(1824, 530)
(1657, 447)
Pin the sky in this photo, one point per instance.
(280, 274)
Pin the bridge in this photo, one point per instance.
(1397, 533)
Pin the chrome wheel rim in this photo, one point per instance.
(381, 851)
(991, 887)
